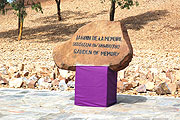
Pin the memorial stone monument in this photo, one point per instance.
(96, 51)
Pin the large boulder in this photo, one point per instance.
(100, 43)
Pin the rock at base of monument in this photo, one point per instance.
(100, 43)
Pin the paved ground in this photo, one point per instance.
(26, 104)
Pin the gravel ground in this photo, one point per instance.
(153, 28)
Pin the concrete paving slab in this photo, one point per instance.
(29, 104)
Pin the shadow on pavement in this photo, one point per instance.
(126, 99)
(130, 99)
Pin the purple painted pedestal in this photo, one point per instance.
(95, 86)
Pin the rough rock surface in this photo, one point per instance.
(16, 82)
(98, 43)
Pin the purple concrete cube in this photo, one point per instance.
(95, 86)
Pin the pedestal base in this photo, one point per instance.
(95, 86)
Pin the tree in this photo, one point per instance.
(122, 4)
(58, 3)
(20, 8)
